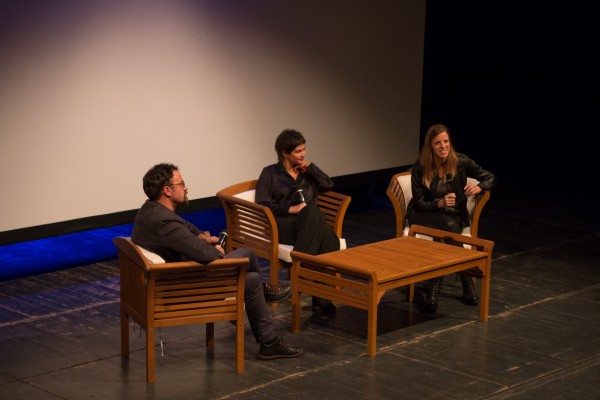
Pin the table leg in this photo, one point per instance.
(296, 306)
(485, 292)
(372, 325)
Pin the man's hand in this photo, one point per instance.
(206, 236)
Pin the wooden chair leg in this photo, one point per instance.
(410, 293)
(124, 334)
(239, 348)
(150, 354)
(210, 336)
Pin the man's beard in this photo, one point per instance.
(185, 200)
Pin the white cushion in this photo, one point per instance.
(152, 257)
(471, 200)
(405, 183)
(248, 195)
(284, 250)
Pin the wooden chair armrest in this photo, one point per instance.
(483, 198)
(191, 265)
(238, 200)
(474, 242)
(398, 200)
(250, 225)
(334, 205)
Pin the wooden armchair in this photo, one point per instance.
(252, 225)
(158, 294)
(400, 192)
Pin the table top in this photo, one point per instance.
(402, 256)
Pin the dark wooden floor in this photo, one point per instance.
(59, 332)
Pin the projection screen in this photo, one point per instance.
(94, 93)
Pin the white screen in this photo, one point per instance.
(93, 94)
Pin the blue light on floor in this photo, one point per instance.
(82, 248)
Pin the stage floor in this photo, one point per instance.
(59, 331)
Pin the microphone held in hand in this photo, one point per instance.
(300, 196)
(449, 182)
(449, 189)
(222, 239)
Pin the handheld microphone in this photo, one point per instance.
(449, 189)
(449, 182)
(222, 239)
(301, 195)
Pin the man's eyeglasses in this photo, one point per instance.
(182, 184)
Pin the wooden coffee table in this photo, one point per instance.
(360, 276)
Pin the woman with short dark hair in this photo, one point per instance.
(290, 188)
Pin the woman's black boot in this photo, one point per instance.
(326, 306)
(468, 286)
(431, 295)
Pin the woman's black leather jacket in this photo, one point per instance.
(423, 199)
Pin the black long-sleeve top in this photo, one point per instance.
(161, 231)
(424, 199)
(277, 189)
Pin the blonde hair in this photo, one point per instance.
(428, 161)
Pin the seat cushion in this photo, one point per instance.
(152, 257)
(248, 195)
